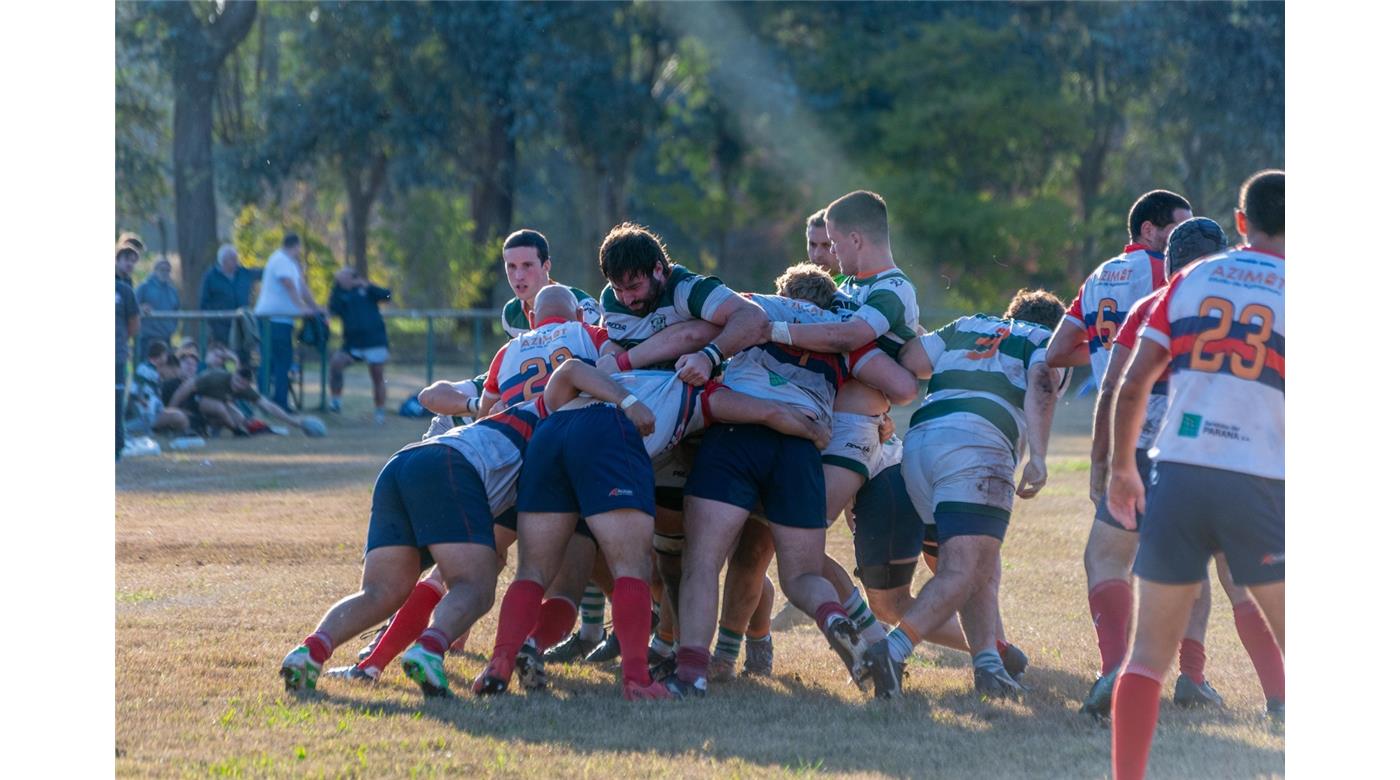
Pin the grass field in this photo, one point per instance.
(227, 556)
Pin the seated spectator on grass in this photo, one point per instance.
(157, 294)
(218, 355)
(145, 411)
(214, 391)
(356, 302)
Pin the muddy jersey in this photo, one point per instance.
(980, 368)
(495, 447)
(1106, 296)
(522, 367)
(885, 301)
(515, 321)
(1222, 321)
(1126, 340)
(685, 296)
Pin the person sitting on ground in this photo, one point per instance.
(215, 390)
(145, 412)
(356, 302)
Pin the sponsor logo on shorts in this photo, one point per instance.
(1190, 426)
(1271, 559)
(615, 492)
(864, 449)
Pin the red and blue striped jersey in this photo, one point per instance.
(1222, 321)
(1106, 296)
(1126, 340)
(495, 447)
(522, 367)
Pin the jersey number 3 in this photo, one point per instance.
(1255, 317)
(537, 370)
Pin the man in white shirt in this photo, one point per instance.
(282, 297)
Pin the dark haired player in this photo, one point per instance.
(527, 262)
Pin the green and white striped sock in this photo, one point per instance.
(859, 613)
(727, 645)
(590, 611)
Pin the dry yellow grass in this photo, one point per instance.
(227, 556)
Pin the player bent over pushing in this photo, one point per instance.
(435, 500)
(1219, 456)
(990, 391)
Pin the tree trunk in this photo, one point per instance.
(493, 198)
(362, 195)
(196, 226)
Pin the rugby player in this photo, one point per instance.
(1085, 335)
(819, 247)
(557, 332)
(526, 255)
(1218, 474)
(991, 396)
(609, 488)
(434, 502)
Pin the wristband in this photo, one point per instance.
(473, 405)
(712, 352)
(779, 333)
(626, 402)
(624, 363)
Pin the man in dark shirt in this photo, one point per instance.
(213, 391)
(226, 286)
(356, 302)
(128, 324)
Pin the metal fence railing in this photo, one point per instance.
(482, 327)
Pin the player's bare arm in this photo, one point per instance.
(442, 398)
(731, 406)
(575, 378)
(743, 324)
(670, 343)
(1041, 385)
(1126, 494)
(883, 373)
(915, 359)
(1103, 422)
(273, 410)
(825, 336)
(1069, 346)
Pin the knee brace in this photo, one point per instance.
(668, 544)
(886, 576)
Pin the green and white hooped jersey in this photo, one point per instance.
(888, 303)
(685, 296)
(980, 364)
(515, 321)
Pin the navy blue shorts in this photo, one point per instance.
(888, 527)
(429, 495)
(1196, 511)
(1101, 513)
(507, 519)
(743, 465)
(589, 461)
(957, 518)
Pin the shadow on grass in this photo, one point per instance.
(790, 723)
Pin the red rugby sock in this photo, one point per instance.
(1191, 659)
(631, 601)
(826, 612)
(320, 646)
(1263, 651)
(1134, 720)
(1111, 606)
(520, 610)
(406, 625)
(692, 663)
(434, 641)
(556, 618)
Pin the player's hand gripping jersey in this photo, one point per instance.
(1106, 296)
(808, 380)
(685, 296)
(522, 367)
(978, 388)
(1222, 321)
(676, 406)
(515, 321)
(1127, 339)
(495, 447)
(887, 302)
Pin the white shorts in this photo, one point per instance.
(946, 465)
(672, 467)
(375, 356)
(855, 443)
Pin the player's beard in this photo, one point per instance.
(648, 304)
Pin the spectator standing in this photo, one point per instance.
(282, 297)
(158, 293)
(128, 323)
(226, 286)
(356, 302)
